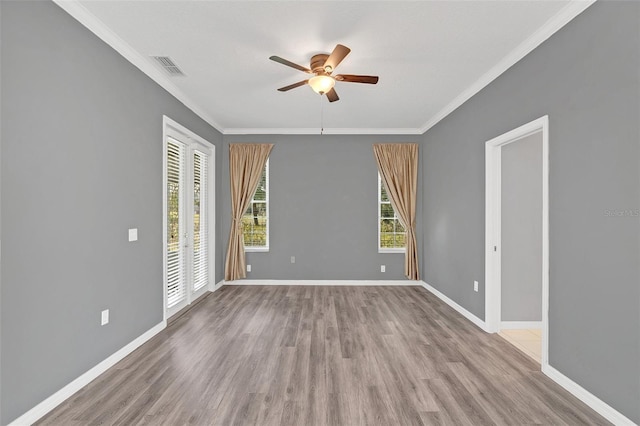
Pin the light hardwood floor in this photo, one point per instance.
(528, 341)
(294, 355)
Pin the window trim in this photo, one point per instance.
(400, 250)
(265, 248)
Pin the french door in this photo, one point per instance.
(188, 218)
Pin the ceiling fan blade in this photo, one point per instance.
(293, 86)
(290, 64)
(338, 54)
(350, 78)
(332, 95)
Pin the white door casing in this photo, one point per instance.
(493, 226)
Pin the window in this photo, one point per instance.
(255, 221)
(391, 233)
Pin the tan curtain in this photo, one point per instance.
(398, 167)
(246, 162)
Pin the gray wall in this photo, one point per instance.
(521, 248)
(81, 163)
(585, 77)
(323, 211)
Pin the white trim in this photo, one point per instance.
(96, 26)
(165, 177)
(399, 250)
(462, 311)
(256, 249)
(60, 396)
(90, 21)
(493, 220)
(212, 219)
(520, 325)
(371, 283)
(326, 131)
(215, 287)
(575, 389)
(559, 20)
(595, 403)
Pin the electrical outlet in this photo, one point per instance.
(105, 317)
(293, 259)
(475, 286)
(383, 268)
(248, 268)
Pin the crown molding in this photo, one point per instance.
(559, 20)
(96, 26)
(91, 22)
(316, 131)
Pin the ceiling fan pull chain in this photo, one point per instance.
(321, 116)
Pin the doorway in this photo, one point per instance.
(188, 217)
(517, 237)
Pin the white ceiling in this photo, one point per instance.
(430, 55)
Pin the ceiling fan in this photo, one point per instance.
(322, 65)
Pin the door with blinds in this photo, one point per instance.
(188, 219)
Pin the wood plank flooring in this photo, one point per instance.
(301, 355)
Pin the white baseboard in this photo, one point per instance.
(60, 396)
(326, 282)
(520, 325)
(587, 397)
(462, 311)
(575, 389)
(216, 286)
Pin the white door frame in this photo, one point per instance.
(171, 127)
(493, 225)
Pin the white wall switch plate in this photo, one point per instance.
(475, 286)
(133, 234)
(293, 259)
(383, 268)
(105, 317)
(248, 268)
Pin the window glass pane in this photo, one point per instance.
(197, 174)
(383, 192)
(174, 163)
(200, 241)
(386, 210)
(261, 190)
(398, 226)
(255, 220)
(176, 269)
(386, 240)
(391, 231)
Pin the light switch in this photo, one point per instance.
(133, 234)
(104, 317)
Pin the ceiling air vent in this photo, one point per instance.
(168, 65)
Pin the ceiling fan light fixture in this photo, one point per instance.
(321, 84)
